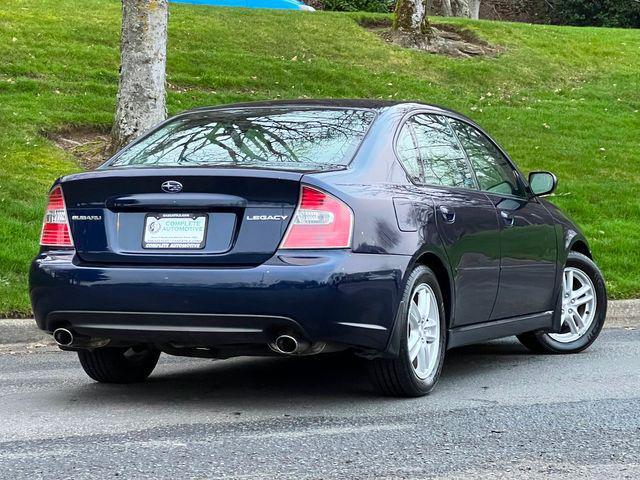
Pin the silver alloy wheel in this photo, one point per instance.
(423, 331)
(578, 305)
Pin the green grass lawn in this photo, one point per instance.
(558, 98)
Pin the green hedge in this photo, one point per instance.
(378, 6)
(600, 13)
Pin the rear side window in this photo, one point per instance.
(493, 171)
(300, 140)
(442, 160)
(409, 154)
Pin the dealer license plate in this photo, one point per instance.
(175, 230)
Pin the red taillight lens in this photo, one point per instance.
(320, 221)
(55, 229)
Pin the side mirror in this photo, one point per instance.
(542, 183)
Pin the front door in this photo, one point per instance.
(529, 254)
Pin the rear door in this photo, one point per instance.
(202, 216)
(466, 218)
(527, 239)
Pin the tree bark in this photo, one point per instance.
(411, 17)
(141, 101)
(474, 8)
(446, 8)
(460, 8)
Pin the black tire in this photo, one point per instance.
(541, 342)
(119, 365)
(396, 376)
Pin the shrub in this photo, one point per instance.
(600, 13)
(378, 6)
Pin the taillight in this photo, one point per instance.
(320, 221)
(55, 228)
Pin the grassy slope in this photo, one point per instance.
(563, 99)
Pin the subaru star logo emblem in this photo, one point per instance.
(171, 186)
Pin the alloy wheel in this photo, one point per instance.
(423, 331)
(578, 305)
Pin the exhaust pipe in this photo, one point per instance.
(65, 338)
(292, 345)
(287, 344)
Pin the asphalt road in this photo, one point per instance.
(498, 412)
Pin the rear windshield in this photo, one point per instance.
(301, 140)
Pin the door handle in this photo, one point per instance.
(447, 213)
(508, 220)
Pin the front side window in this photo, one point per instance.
(443, 161)
(493, 171)
(304, 139)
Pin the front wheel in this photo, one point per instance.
(584, 308)
(417, 368)
(119, 365)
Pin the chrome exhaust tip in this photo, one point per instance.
(67, 339)
(286, 344)
(293, 345)
(63, 337)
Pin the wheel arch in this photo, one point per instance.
(580, 246)
(439, 266)
(443, 275)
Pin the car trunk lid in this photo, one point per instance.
(179, 216)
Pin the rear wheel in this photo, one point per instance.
(119, 365)
(417, 368)
(584, 308)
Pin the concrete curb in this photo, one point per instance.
(620, 314)
(21, 330)
(623, 313)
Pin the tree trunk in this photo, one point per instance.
(460, 8)
(411, 17)
(141, 102)
(474, 8)
(446, 8)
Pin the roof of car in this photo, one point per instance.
(336, 103)
(370, 104)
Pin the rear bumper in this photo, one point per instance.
(331, 296)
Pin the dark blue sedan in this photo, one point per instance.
(392, 230)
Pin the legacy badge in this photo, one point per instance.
(267, 217)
